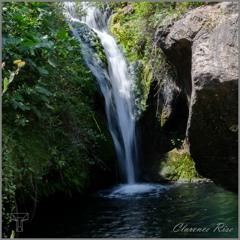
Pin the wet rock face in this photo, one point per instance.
(91, 41)
(213, 133)
(203, 46)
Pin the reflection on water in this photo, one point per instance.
(146, 210)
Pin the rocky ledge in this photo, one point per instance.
(203, 47)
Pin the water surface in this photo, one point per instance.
(145, 210)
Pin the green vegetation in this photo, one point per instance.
(134, 25)
(163, 117)
(178, 165)
(51, 133)
(176, 139)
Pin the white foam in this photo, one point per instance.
(134, 190)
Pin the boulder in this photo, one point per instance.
(203, 46)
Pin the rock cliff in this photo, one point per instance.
(203, 48)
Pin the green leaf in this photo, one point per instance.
(12, 234)
(11, 77)
(5, 84)
(28, 42)
(43, 71)
(23, 107)
(43, 91)
(19, 105)
(31, 170)
(62, 34)
(18, 97)
(12, 41)
(38, 113)
(45, 44)
(18, 17)
(48, 106)
(69, 48)
(52, 62)
(44, 98)
(30, 62)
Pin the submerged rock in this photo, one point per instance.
(203, 46)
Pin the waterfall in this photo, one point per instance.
(114, 82)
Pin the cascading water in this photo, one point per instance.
(114, 82)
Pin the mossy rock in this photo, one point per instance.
(142, 78)
(115, 24)
(177, 165)
(89, 38)
(163, 117)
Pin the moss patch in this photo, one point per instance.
(145, 79)
(163, 117)
(178, 165)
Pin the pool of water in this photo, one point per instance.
(187, 210)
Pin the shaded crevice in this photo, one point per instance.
(180, 56)
(178, 121)
(156, 138)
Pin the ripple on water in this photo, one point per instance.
(144, 210)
